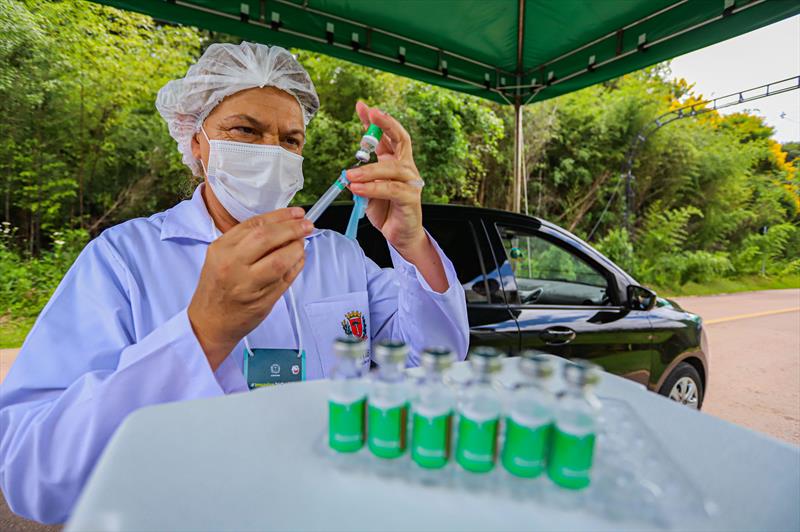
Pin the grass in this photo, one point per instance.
(13, 331)
(731, 286)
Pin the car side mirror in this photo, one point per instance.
(641, 298)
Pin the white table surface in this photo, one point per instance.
(247, 462)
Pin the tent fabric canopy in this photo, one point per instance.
(509, 51)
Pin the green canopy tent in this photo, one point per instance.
(508, 51)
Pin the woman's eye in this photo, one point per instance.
(244, 130)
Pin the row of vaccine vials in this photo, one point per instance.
(526, 428)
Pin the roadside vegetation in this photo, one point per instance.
(715, 204)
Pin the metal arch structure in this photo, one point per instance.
(687, 111)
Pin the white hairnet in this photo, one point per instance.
(225, 69)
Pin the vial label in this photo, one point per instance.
(346, 425)
(387, 430)
(571, 459)
(477, 444)
(525, 449)
(430, 446)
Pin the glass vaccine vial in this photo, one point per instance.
(572, 449)
(432, 411)
(348, 396)
(387, 418)
(479, 414)
(529, 420)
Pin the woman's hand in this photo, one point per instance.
(393, 184)
(394, 188)
(245, 272)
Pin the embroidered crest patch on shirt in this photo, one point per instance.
(355, 324)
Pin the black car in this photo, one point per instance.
(533, 285)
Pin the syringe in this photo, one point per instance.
(326, 199)
(369, 143)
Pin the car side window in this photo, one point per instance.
(547, 274)
(459, 242)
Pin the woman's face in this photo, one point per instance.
(257, 116)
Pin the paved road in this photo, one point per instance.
(7, 357)
(754, 339)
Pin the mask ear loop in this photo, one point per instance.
(203, 166)
(215, 233)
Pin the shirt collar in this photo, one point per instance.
(190, 219)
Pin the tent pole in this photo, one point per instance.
(518, 154)
(518, 158)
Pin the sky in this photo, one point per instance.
(762, 56)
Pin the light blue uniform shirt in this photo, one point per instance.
(115, 337)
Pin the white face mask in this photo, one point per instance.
(251, 179)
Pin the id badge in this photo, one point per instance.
(268, 367)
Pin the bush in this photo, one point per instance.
(28, 282)
(617, 246)
(661, 257)
(772, 249)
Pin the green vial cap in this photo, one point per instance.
(374, 131)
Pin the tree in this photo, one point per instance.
(77, 90)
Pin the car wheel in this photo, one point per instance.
(684, 386)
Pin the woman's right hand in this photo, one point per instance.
(245, 272)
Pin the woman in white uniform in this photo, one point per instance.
(195, 301)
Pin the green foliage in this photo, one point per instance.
(81, 135)
(455, 137)
(667, 262)
(330, 149)
(666, 231)
(28, 282)
(792, 150)
(13, 331)
(617, 246)
(773, 250)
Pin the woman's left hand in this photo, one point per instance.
(393, 185)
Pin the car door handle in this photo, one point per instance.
(557, 335)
